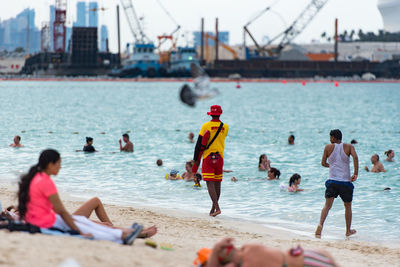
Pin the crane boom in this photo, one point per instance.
(133, 21)
(301, 22)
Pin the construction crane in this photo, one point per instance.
(134, 22)
(226, 47)
(59, 29)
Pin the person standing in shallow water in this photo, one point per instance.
(340, 183)
(211, 145)
(17, 140)
(128, 147)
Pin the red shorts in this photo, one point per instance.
(212, 168)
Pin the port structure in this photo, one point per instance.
(59, 26)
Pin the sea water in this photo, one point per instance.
(261, 116)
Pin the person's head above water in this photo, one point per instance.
(17, 139)
(291, 139)
(336, 136)
(295, 179)
(374, 158)
(125, 137)
(353, 142)
(215, 112)
(390, 153)
(89, 140)
(274, 173)
(159, 162)
(49, 163)
(263, 158)
(189, 165)
(191, 136)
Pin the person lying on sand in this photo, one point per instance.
(17, 140)
(39, 204)
(92, 205)
(377, 166)
(225, 253)
(273, 174)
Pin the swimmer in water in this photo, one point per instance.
(17, 140)
(191, 137)
(264, 164)
(273, 174)
(188, 175)
(291, 139)
(390, 155)
(197, 179)
(234, 179)
(377, 166)
(173, 175)
(353, 142)
(128, 147)
(159, 162)
(88, 147)
(294, 182)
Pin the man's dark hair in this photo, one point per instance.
(19, 137)
(377, 156)
(292, 136)
(337, 134)
(215, 117)
(125, 135)
(353, 142)
(88, 139)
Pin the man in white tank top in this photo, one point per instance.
(336, 157)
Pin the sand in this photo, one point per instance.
(186, 232)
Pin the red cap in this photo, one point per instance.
(215, 110)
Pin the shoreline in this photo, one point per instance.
(186, 232)
(215, 80)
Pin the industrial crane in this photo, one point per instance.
(134, 23)
(294, 30)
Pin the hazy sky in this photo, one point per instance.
(232, 14)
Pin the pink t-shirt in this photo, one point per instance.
(39, 209)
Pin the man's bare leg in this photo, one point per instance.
(214, 198)
(348, 215)
(324, 214)
(95, 205)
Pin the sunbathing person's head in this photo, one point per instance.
(49, 163)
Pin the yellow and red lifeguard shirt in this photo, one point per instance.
(219, 143)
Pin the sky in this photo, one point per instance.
(232, 14)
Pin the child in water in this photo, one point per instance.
(188, 175)
(173, 175)
(294, 182)
(273, 174)
(390, 155)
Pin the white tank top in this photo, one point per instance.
(339, 164)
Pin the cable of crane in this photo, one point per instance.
(167, 12)
(260, 13)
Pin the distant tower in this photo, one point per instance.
(59, 26)
(81, 16)
(52, 18)
(45, 37)
(93, 14)
(390, 11)
(103, 38)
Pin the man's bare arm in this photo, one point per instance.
(325, 157)
(355, 162)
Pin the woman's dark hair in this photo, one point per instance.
(337, 134)
(294, 178)
(47, 156)
(261, 157)
(387, 153)
(88, 139)
(276, 172)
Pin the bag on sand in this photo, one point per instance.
(202, 257)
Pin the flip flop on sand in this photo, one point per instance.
(129, 239)
(318, 231)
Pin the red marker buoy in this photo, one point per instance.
(190, 80)
(284, 81)
(238, 86)
(336, 84)
(303, 83)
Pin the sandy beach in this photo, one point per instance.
(187, 233)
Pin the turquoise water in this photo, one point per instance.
(261, 116)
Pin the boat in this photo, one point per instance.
(142, 61)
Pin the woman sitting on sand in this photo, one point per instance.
(39, 204)
(224, 253)
(273, 174)
(188, 175)
(264, 163)
(390, 155)
(294, 182)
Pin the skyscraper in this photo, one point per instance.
(103, 38)
(81, 12)
(52, 18)
(93, 14)
(222, 36)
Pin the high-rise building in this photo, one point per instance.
(93, 14)
(81, 15)
(103, 38)
(390, 11)
(222, 36)
(52, 18)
